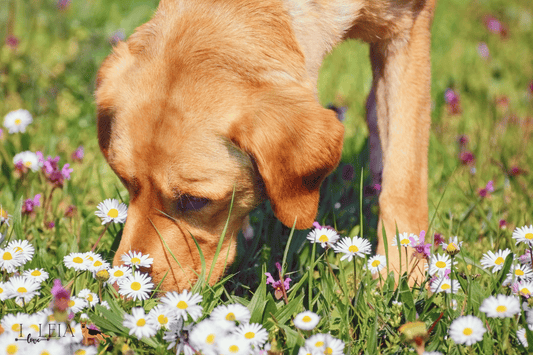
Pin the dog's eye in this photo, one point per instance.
(188, 203)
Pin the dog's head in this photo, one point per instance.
(197, 106)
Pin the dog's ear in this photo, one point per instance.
(295, 143)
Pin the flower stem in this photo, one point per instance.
(310, 278)
(100, 237)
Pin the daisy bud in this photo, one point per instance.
(102, 275)
(414, 333)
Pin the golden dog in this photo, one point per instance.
(215, 95)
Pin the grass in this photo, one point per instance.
(51, 73)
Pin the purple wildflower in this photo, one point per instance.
(61, 297)
(277, 284)
(437, 239)
(422, 249)
(12, 41)
(463, 140)
(487, 190)
(50, 225)
(516, 170)
(483, 50)
(453, 101)
(78, 154)
(51, 170)
(503, 224)
(71, 211)
(318, 226)
(29, 205)
(63, 4)
(467, 158)
(494, 25)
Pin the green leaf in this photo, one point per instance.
(17, 220)
(285, 312)
(408, 303)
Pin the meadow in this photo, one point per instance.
(56, 278)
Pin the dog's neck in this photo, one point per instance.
(319, 26)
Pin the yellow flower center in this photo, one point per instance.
(141, 322)
(445, 286)
(230, 316)
(467, 331)
(77, 260)
(135, 261)
(501, 309)
(376, 263)
(80, 352)
(34, 327)
(451, 247)
(323, 238)
(89, 297)
(353, 249)
(18, 121)
(88, 257)
(3, 213)
(118, 273)
(319, 344)
(162, 319)
(210, 339)
(22, 290)
(113, 213)
(499, 260)
(27, 163)
(440, 264)
(529, 236)
(249, 335)
(18, 249)
(525, 291)
(405, 241)
(35, 273)
(45, 352)
(12, 349)
(7, 256)
(306, 319)
(15, 327)
(1, 290)
(328, 351)
(519, 272)
(97, 263)
(135, 286)
(71, 303)
(234, 349)
(182, 305)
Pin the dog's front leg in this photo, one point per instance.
(401, 89)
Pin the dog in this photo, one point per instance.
(214, 101)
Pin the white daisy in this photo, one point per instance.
(47, 347)
(184, 304)
(523, 288)
(118, 273)
(73, 333)
(105, 304)
(98, 264)
(4, 216)
(76, 261)
(233, 345)
(518, 273)
(306, 350)
(324, 236)
(23, 287)
(254, 333)
(37, 275)
(204, 336)
(467, 330)
(521, 334)
(453, 247)
(316, 342)
(17, 121)
(352, 247)
(405, 240)
(84, 350)
(23, 247)
(439, 263)
(28, 159)
(10, 261)
(77, 304)
(501, 306)
(161, 316)
(444, 284)
(137, 259)
(333, 346)
(139, 323)
(231, 313)
(306, 320)
(9, 346)
(524, 235)
(12, 323)
(89, 296)
(494, 260)
(376, 263)
(3, 291)
(137, 286)
(112, 211)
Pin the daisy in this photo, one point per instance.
(333, 346)
(3, 291)
(136, 286)
(112, 211)
(316, 342)
(9, 261)
(17, 121)
(444, 284)
(204, 336)
(306, 320)
(453, 247)
(23, 287)
(518, 273)
(137, 259)
(89, 296)
(184, 304)
(84, 350)
(73, 333)
(306, 350)
(352, 247)
(77, 304)
(161, 316)
(98, 264)
(76, 261)
(140, 325)
(11, 322)
(376, 263)
(118, 273)
(12, 347)
(254, 333)
(524, 235)
(4, 217)
(37, 275)
(105, 305)
(501, 306)
(406, 240)
(439, 264)
(524, 288)
(521, 334)
(27, 160)
(467, 330)
(231, 313)
(495, 260)
(47, 347)
(22, 247)
(324, 236)
(233, 345)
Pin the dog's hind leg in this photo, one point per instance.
(401, 88)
